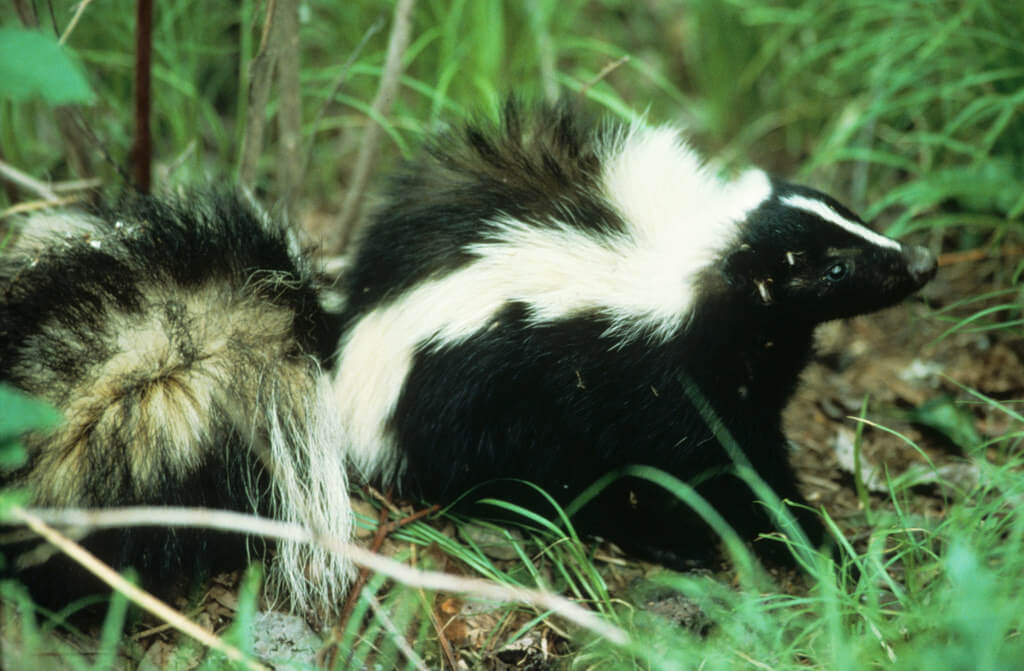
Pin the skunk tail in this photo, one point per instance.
(182, 340)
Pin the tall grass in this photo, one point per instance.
(903, 107)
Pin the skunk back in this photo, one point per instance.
(532, 299)
(180, 338)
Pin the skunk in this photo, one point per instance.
(182, 340)
(551, 300)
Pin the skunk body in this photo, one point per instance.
(181, 341)
(532, 301)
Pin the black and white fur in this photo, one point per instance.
(530, 297)
(181, 340)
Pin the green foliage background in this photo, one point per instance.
(903, 108)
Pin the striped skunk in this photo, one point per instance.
(182, 340)
(532, 297)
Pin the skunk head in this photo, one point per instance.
(802, 256)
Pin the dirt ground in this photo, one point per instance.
(900, 362)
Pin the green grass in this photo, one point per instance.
(938, 593)
(909, 111)
(902, 107)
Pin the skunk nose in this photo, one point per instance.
(921, 263)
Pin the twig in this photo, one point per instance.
(261, 71)
(80, 138)
(79, 141)
(160, 628)
(31, 206)
(223, 520)
(12, 174)
(27, 13)
(74, 21)
(398, 42)
(137, 596)
(172, 166)
(10, 189)
(442, 638)
(383, 499)
(142, 145)
(364, 575)
(395, 525)
(384, 529)
(605, 71)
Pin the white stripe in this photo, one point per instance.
(822, 210)
(555, 272)
(678, 217)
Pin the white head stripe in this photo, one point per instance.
(820, 209)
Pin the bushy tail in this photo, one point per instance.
(181, 339)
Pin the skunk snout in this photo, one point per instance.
(921, 263)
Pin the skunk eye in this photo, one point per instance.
(837, 271)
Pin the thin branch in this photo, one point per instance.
(259, 526)
(383, 498)
(10, 189)
(74, 21)
(53, 17)
(137, 596)
(11, 174)
(32, 206)
(605, 71)
(395, 525)
(79, 140)
(442, 638)
(26, 12)
(401, 28)
(142, 146)
(80, 137)
(364, 575)
(261, 72)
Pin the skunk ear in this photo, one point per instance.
(740, 265)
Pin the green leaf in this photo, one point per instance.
(32, 64)
(12, 455)
(20, 413)
(951, 420)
